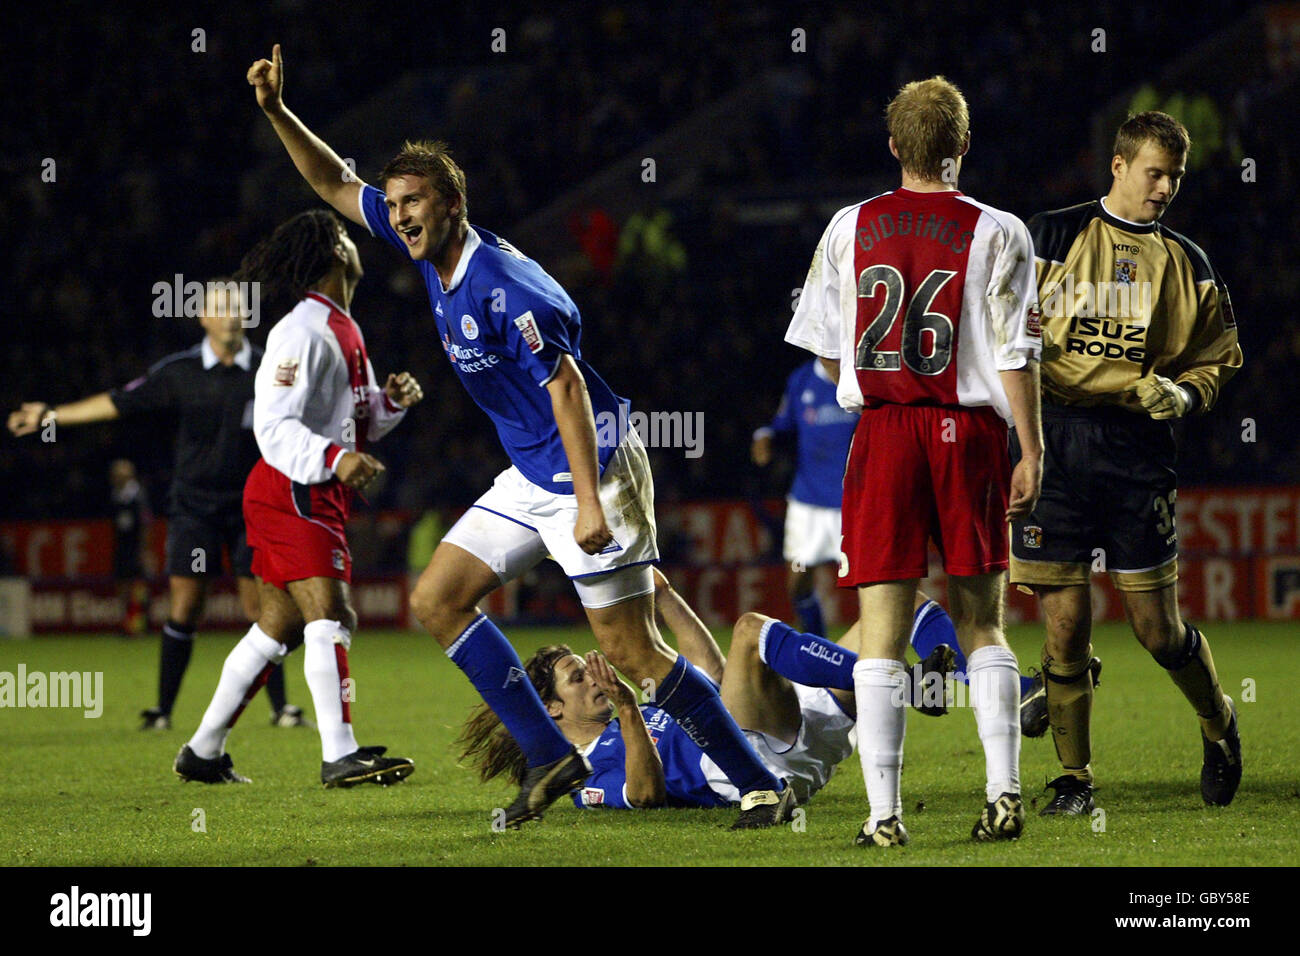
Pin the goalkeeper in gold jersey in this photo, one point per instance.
(1137, 331)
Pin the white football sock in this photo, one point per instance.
(995, 695)
(239, 674)
(325, 665)
(881, 689)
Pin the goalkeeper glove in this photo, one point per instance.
(1163, 399)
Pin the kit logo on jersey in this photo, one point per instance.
(527, 325)
(468, 358)
(1032, 536)
(438, 308)
(286, 373)
(468, 327)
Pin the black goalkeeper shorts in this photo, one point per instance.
(1109, 490)
(195, 544)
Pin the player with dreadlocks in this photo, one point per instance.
(317, 405)
(207, 390)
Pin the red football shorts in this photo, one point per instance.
(917, 472)
(296, 531)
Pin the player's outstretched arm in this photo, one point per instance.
(577, 426)
(694, 640)
(644, 770)
(324, 171)
(33, 415)
(1022, 390)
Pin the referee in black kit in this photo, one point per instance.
(209, 389)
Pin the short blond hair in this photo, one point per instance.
(1155, 127)
(432, 160)
(929, 123)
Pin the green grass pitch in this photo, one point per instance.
(99, 792)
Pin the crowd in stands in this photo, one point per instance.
(158, 146)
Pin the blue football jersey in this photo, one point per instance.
(684, 777)
(823, 431)
(505, 324)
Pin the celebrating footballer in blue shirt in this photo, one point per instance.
(512, 335)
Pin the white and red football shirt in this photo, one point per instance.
(923, 297)
(315, 394)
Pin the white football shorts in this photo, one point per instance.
(517, 524)
(827, 735)
(812, 534)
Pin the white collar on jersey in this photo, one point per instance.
(243, 358)
(820, 371)
(472, 242)
(1148, 226)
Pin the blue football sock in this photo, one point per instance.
(493, 667)
(806, 658)
(809, 609)
(694, 703)
(931, 626)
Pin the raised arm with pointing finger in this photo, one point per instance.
(324, 171)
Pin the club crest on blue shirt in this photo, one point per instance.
(468, 327)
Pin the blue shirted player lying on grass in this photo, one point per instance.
(791, 692)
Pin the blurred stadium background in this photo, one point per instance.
(758, 132)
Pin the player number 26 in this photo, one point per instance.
(917, 320)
